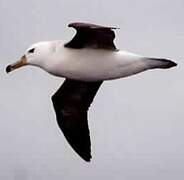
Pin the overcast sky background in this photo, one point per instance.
(136, 123)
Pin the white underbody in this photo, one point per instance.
(93, 64)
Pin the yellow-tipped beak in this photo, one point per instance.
(18, 64)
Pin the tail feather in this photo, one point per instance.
(160, 63)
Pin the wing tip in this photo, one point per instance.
(85, 155)
(87, 159)
(85, 24)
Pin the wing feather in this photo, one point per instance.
(71, 103)
(92, 36)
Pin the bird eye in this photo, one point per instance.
(31, 50)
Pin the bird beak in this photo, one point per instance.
(18, 64)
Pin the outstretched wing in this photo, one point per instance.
(92, 36)
(71, 103)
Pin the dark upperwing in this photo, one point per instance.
(92, 36)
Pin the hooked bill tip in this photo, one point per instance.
(8, 68)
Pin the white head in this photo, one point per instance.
(36, 55)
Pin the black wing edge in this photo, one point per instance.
(78, 25)
(71, 103)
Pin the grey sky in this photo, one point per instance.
(136, 123)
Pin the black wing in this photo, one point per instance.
(71, 103)
(93, 36)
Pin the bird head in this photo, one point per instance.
(36, 55)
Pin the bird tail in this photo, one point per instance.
(160, 63)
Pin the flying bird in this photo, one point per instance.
(87, 60)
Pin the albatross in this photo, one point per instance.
(87, 60)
